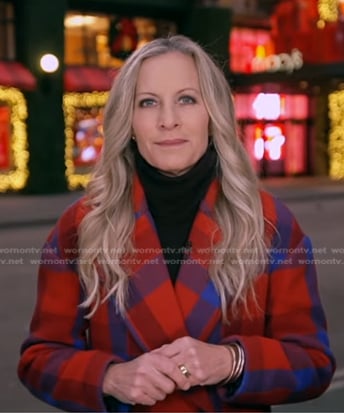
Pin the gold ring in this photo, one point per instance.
(184, 370)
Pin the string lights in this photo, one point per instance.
(328, 10)
(16, 178)
(336, 137)
(72, 101)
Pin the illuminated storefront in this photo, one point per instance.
(84, 138)
(319, 34)
(287, 77)
(96, 46)
(284, 74)
(51, 132)
(274, 126)
(15, 80)
(13, 140)
(274, 131)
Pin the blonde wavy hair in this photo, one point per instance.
(105, 233)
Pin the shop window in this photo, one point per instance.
(248, 48)
(275, 132)
(254, 50)
(314, 27)
(88, 135)
(13, 140)
(5, 136)
(84, 134)
(271, 106)
(105, 41)
(7, 40)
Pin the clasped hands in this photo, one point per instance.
(151, 377)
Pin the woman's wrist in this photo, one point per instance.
(238, 361)
(106, 388)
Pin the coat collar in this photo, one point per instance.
(159, 312)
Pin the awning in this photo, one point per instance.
(16, 75)
(88, 78)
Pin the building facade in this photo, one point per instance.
(51, 119)
(288, 94)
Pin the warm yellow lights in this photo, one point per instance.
(15, 179)
(321, 24)
(336, 138)
(328, 10)
(71, 101)
(78, 20)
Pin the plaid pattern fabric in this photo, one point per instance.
(288, 357)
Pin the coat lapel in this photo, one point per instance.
(197, 297)
(154, 316)
(159, 312)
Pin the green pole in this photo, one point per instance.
(210, 26)
(40, 30)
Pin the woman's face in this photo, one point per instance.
(170, 121)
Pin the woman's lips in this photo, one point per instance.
(171, 142)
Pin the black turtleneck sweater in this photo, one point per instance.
(173, 203)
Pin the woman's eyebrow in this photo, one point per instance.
(192, 89)
(146, 93)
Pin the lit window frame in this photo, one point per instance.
(16, 178)
(72, 101)
(336, 136)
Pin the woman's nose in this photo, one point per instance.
(168, 117)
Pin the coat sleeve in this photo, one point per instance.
(292, 361)
(56, 364)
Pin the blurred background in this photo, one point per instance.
(283, 58)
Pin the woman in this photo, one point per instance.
(175, 284)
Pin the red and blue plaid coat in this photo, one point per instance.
(288, 358)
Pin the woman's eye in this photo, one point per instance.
(187, 100)
(144, 103)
